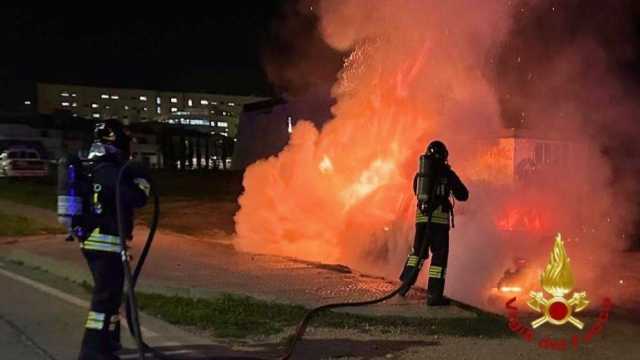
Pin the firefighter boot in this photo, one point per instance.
(95, 343)
(410, 273)
(435, 287)
(95, 346)
(89, 355)
(438, 301)
(114, 334)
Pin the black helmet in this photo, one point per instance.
(112, 132)
(437, 149)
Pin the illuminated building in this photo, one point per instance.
(219, 112)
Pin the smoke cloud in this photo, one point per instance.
(462, 72)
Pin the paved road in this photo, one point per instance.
(38, 325)
(15, 344)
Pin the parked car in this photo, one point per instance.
(22, 162)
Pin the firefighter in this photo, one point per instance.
(101, 245)
(433, 186)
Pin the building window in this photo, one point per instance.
(231, 104)
(158, 100)
(199, 122)
(65, 94)
(158, 110)
(96, 116)
(75, 104)
(190, 102)
(204, 102)
(73, 95)
(224, 113)
(104, 96)
(174, 100)
(126, 107)
(145, 109)
(95, 106)
(143, 98)
(115, 97)
(223, 124)
(174, 109)
(27, 102)
(65, 104)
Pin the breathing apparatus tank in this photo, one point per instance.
(431, 163)
(76, 210)
(425, 178)
(73, 196)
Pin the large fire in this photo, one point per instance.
(329, 193)
(343, 193)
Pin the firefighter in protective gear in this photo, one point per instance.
(101, 247)
(433, 186)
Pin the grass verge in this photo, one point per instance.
(14, 225)
(241, 316)
(185, 198)
(40, 193)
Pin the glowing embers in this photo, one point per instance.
(517, 278)
(325, 166)
(521, 219)
(511, 289)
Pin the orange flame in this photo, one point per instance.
(343, 193)
(521, 219)
(347, 185)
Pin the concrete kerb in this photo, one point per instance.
(56, 267)
(80, 274)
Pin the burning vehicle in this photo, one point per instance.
(515, 281)
(523, 170)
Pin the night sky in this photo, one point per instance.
(167, 45)
(242, 46)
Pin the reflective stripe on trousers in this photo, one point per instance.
(436, 272)
(102, 242)
(95, 320)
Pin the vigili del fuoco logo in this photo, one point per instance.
(558, 309)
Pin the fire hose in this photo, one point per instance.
(131, 279)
